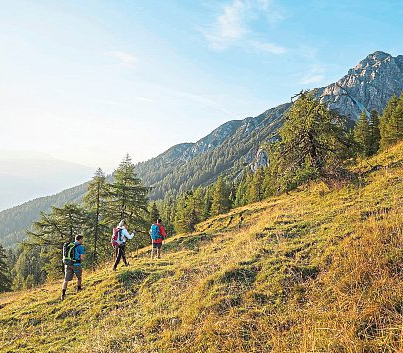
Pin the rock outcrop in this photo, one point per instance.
(367, 86)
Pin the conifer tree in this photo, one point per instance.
(95, 201)
(167, 209)
(198, 204)
(362, 135)
(387, 124)
(53, 229)
(374, 131)
(5, 282)
(256, 186)
(193, 220)
(397, 120)
(128, 199)
(220, 198)
(313, 141)
(207, 203)
(182, 214)
(154, 213)
(241, 196)
(29, 263)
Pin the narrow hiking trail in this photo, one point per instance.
(315, 270)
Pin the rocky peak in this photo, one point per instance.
(369, 85)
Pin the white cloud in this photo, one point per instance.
(229, 27)
(124, 58)
(268, 47)
(234, 26)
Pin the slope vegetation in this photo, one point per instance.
(317, 270)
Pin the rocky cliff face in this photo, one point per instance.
(367, 86)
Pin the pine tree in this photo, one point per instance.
(167, 209)
(362, 135)
(95, 201)
(387, 125)
(154, 213)
(193, 220)
(256, 186)
(182, 214)
(5, 282)
(207, 203)
(53, 229)
(29, 263)
(241, 196)
(374, 131)
(313, 142)
(220, 202)
(128, 199)
(397, 120)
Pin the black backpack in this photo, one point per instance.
(69, 251)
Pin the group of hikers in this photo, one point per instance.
(73, 253)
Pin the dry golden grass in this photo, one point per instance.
(317, 270)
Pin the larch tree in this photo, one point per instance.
(220, 199)
(128, 199)
(95, 200)
(5, 281)
(362, 135)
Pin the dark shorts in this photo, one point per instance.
(157, 245)
(70, 271)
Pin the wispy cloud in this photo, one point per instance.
(315, 74)
(234, 26)
(228, 27)
(124, 58)
(267, 47)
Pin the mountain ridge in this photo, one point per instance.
(237, 143)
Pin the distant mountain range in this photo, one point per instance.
(236, 144)
(27, 175)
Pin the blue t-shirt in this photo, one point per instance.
(77, 252)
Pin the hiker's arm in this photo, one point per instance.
(162, 229)
(81, 252)
(127, 234)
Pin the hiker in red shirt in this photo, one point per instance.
(157, 234)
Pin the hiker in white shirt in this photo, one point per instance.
(120, 243)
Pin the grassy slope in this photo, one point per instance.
(317, 270)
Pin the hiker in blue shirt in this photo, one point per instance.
(75, 268)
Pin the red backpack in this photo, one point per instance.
(116, 239)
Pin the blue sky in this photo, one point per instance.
(88, 81)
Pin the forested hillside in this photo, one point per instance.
(234, 146)
(16, 220)
(316, 270)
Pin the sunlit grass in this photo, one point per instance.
(317, 270)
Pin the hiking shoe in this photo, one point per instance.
(114, 269)
(79, 289)
(127, 264)
(63, 296)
